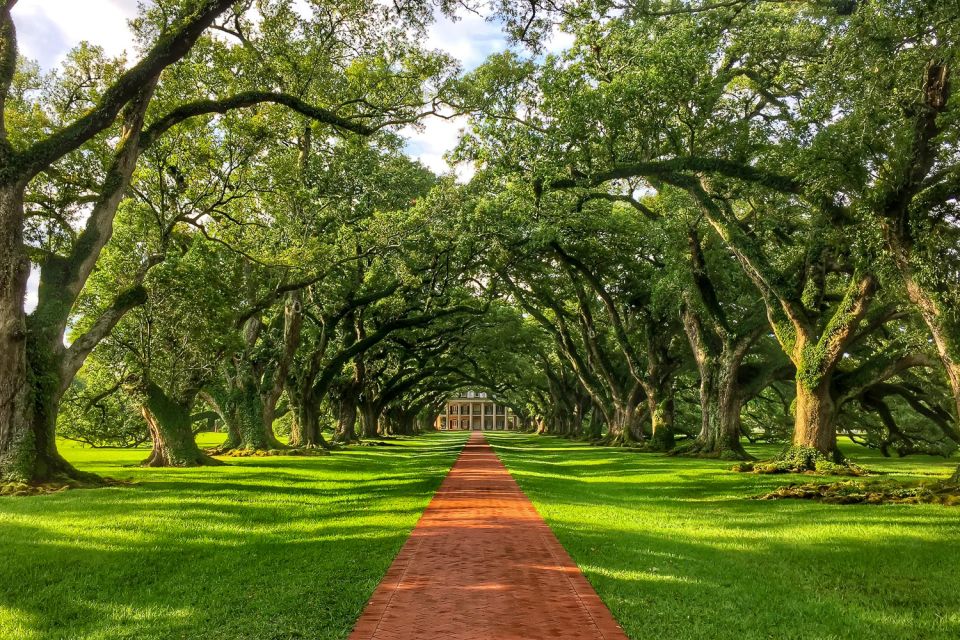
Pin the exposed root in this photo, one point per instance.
(699, 450)
(160, 461)
(55, 486)
(854, 492)
(243, 452)
(805, 460)
(306, 450)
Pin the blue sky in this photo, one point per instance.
(48, 29)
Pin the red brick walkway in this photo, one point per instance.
(482, 564)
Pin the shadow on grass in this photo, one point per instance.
(676, 549)
(283, 548)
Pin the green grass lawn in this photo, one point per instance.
(266, 548)
(677, 551)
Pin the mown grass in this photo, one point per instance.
(677, 550)
(265, 548)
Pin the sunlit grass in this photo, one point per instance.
(275, 547)
(677, 550)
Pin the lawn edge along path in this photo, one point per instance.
(481, 563)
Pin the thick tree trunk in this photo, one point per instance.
(29, 370)
(720, 403)
(370, 420)
(171, 430)
(21, 456)
(347, 423)
(624, 428)
(815, 420)
(661, 421)
(305, 431)
(402, 423)
(245, 415)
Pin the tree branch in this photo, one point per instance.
(169, 48)
(249, 99)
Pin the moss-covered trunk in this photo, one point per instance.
(245, 415)
(31, 386)
(29, 368)
(815, 419)
(720, 404)
(20, 453)
(305, 431)
(624, 428)
(171, 431)
(660, 407)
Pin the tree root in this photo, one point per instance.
(243, 452)
(853, 492)
(203, 460)
(699, 450)
(307, 450)
(55, 486)
(805, 460)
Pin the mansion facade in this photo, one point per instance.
(472, 411)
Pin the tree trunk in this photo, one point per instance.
(306, 431)
(595, 425)
(29, 388)
(347, 423)
(370, 420)
(720, 403)
(402, 422)
(21, 455)
(246, 417)
(624, 429)
(171, 430)
(815, 420)
(943, 326)
(661, 421)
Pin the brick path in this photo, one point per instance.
(482, 564)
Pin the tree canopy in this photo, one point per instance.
(701, 223)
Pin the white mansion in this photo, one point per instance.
(473, 411)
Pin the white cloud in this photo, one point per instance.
(470, 39)
(48, 29)
(559, 40)
(433, 140)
